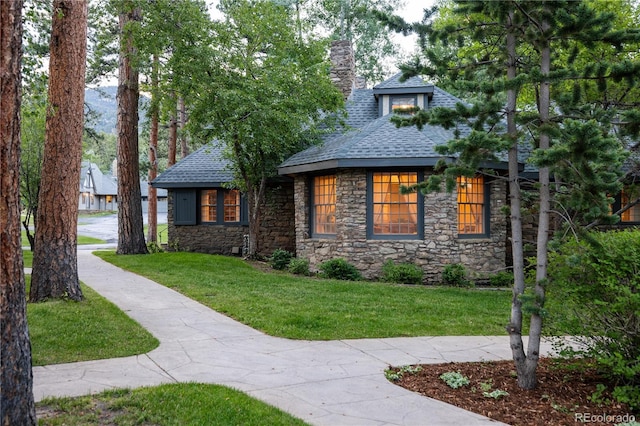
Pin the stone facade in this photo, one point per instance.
(276, 230)
(343, 66)
(440, 246)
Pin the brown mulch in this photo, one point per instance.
(562, 397)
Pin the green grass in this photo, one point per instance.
(309, 308)
(171, 404)
(65, 331)
(28, 258)
(82, 239)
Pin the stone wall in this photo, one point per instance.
(440, 246)
(276, 230)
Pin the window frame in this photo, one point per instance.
(371, 235)
(486, 211)
(312, 206)
(618, 204)
(243, 218)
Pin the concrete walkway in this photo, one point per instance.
(322, 382)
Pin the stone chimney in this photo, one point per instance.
(343, 66)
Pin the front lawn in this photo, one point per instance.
(66, 331)
(171, 404)
(310, 308)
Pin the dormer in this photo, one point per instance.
(394, 95)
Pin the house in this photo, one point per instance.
(98, 192)
(343, 198)
(205, 215)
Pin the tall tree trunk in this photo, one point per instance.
(255, 198)
(152, 203)
(182, 122)
(528, 380)
(16, 377)
(173, 137)
(55, 259)
(130, 223)
(517, 245)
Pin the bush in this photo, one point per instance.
(280, 259)
(455, 274)
(402, 273)
(339, 269)
(299, 266)
(501, 279)
(594, 291)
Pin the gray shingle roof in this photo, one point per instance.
(377, 142)
(102, 184)
(205, 167)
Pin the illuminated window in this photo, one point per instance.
(232, 206)
(403, 105)
(394, 213)
(324, 204)
(471, 206)
(208, 205)
(632, 214)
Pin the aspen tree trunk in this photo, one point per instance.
(55, 258)
(16, 377)
(182, 122)
(152, 204)
(130, 223)
(173, 138)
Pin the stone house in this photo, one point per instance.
(205, 215)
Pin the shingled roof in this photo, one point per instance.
(373, 141)
(205, 167)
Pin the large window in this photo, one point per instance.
(393, 213)
(324, 204)
(632, 214)
(471, 206)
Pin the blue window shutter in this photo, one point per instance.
(184, 209)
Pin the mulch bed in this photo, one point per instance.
(562, 397)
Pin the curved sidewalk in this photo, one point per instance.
(322, 382)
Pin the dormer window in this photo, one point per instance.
(403, 104)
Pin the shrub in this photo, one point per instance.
(454, 379)
(280, 259)
(339, 269)
(402, 273)
(501, 279)
(594, 291)
(299, 266)
(455, 274)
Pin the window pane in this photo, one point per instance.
(471, 205)
(400, 105)
(232, 206)
(324, 204)
(633, 213)
(208, 205)
(393, 212)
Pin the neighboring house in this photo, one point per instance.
(206, 215)
(98, 192)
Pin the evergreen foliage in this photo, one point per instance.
(339, 269)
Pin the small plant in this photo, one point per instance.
(299, 266)
(496, 394)
(402, 273)
(501, 279)
(454, 379)
(280, 259)
(339, 269)
(154, 247)
(455, 274)
(394, 375)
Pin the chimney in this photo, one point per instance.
(343, 66)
